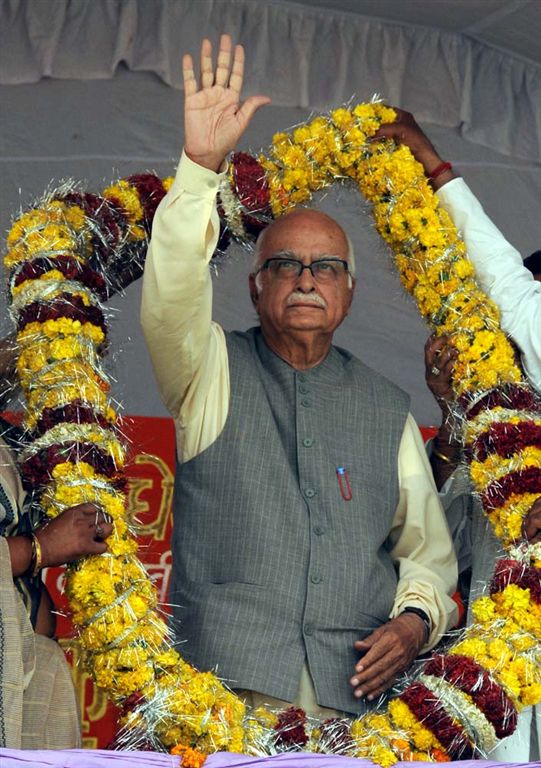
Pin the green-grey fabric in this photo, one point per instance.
(270, 564)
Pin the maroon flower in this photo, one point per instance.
(506, 440)
(471, 678)
(512, 572)
(64, 305)
(131, 702)
(251, 189)
(151, 191)
(75, 412)
(290, 731)
(37, 470)
(109, 225)
(250, 183)
(526, 480)
(70, 268)
(429, 710)
(519, 397)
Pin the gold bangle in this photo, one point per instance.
(37, 557)
(446, 459)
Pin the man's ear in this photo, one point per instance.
(352, 293)
(254, 293)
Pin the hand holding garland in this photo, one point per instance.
(75, 533)
(214, 118)
(439, 361)
(440, 357)
(405, 130)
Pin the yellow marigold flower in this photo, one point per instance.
(473, 647)
(265, 717)
(463, 268)
(484, 610)
(531, 695)
(128, 198)
(523, 642)
(384, 757)
(302, 134)
(510, 682)
(342, 118)
(120, 547)
(166, 658)
(63, 326)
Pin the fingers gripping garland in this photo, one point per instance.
(464, 701)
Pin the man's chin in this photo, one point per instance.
(304, 324)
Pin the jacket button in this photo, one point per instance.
(308, 442)
(316, 578)
(308, 629)
(310, 493)
(319, 530)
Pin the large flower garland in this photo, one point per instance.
(465, 700)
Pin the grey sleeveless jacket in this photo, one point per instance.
(272, 566)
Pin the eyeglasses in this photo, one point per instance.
(322, 270)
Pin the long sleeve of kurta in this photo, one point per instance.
(189, 356)
(500, 273)
(187, 349)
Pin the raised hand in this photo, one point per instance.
(214, 118)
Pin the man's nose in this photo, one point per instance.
(306, 281)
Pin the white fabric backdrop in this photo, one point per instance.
(303, 57)
(131, 121)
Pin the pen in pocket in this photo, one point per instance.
(344, 484)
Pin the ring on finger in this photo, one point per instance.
(435, 371)
(99, 530)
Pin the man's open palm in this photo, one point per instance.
(214, 118)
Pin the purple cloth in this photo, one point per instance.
(100, 758)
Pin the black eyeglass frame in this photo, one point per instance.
(266, 264)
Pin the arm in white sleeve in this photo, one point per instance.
(500, 273)
(187, 349)
(422, 547)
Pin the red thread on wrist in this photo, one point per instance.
(439, 169)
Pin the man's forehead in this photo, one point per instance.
(305, 229)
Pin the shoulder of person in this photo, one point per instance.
(364, 375)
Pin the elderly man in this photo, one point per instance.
(311, 559)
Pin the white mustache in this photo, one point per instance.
(312, 298)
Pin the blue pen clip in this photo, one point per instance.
(344, 484)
